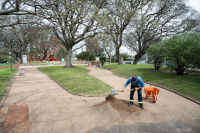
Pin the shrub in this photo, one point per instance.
(86, 55)
(102, 58)
(156, 53)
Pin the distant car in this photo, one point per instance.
(167, 64)
(152, 62)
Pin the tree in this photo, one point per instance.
(183, 51)
(19, 36)
(156, 53)
(157, 20)
(107, 44)
(34, 52)
(102, 58)
(99, 51)
(120, 15)
(14, 12)
(43, 39)
(91, 46)
(72, 21)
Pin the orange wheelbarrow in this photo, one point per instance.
(151, 92)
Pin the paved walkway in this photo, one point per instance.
(54, 110)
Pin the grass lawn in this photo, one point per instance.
(8, 64)
(6, 75)
(188, 84)
(77, 80)
(108, 63)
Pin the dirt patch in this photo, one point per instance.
(118, 104)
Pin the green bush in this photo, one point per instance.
(61, 54)
(86, 55)
(4, 59)
(156, 53)
(92, 56)
(102, 58)
(81, 55)
(182, 51)
(114, 59)
(125, 56)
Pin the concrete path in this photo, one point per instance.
(54, 110)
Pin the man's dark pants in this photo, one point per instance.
(140, 99)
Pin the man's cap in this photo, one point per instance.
(134, 78)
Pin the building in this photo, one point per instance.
(48, 46)
(91, 44)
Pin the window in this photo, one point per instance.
(53, 45)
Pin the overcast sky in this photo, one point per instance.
(193, 3)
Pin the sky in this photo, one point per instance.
(193, 3)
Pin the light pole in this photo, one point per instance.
(11, 53)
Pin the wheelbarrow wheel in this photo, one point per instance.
(154, 98)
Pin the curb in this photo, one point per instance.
(68, 90)
(162, 88)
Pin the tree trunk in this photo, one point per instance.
(157, 66)
(120, 58)
(109, 59)
(88, 55)
(137, 57)
(68, 59)
(180, 69)
(61, 51)
(44, 57)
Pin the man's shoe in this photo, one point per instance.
(141, 106)
(130, 104)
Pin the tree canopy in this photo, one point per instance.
(181, 50)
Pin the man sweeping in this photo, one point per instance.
(136, 85)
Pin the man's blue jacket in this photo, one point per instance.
(138, 83)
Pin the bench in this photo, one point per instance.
(21, 72)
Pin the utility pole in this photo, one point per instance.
(11, 53)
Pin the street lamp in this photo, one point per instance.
(11, 53)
